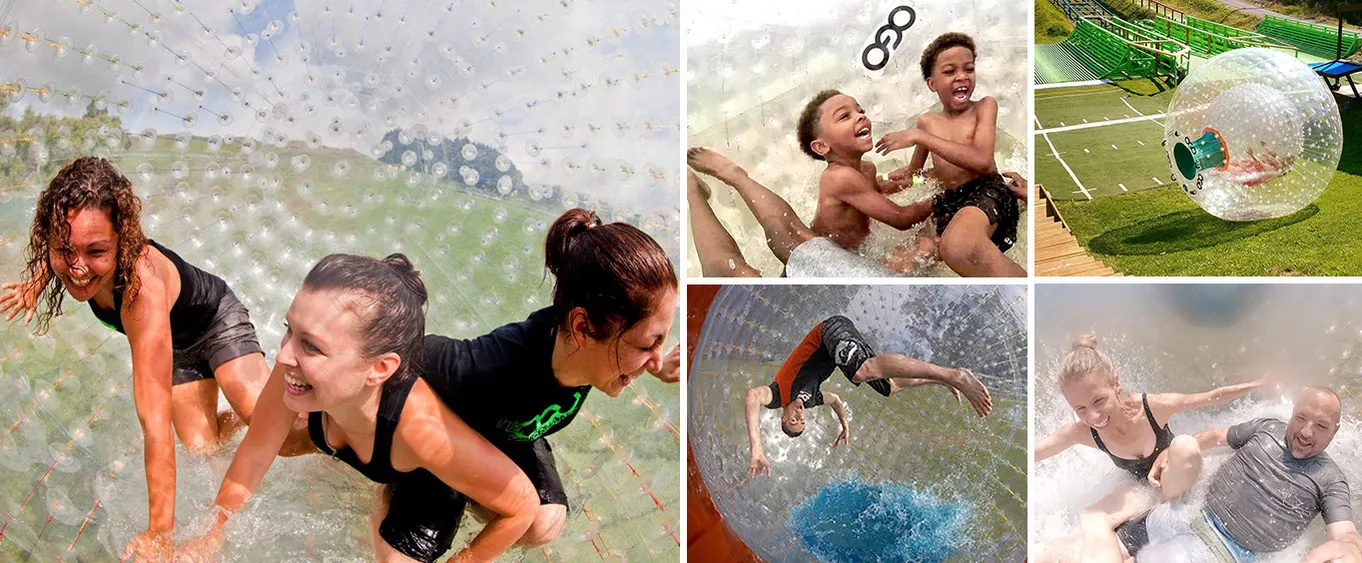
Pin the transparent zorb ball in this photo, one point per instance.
(1253, 134)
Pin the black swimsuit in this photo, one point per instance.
(424, 512)
(194, 309)
(1133, 533)
(208, 324)
(1163, 437)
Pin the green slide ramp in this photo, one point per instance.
(1315, 39)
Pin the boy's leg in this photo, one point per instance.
(1184, 466)
(719, 253)
(784, 230)
(912, 255)
(966, 247)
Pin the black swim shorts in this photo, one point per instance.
(989, 194)
(849, 350)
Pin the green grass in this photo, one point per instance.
(1161, 232)
(1052, 26)
(1108, 160)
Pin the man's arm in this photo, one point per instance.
(851, 188)
(752, 403)
(1344, 545)
(831, 399)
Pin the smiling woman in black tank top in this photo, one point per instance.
(1132, 429)
(189, 334)
(347, 360)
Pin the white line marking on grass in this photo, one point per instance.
(1113, 147)
(1072, 84)
(1132, 108)
(1062, 128)
(1140, 142)
(1061, 124)
(1160, 182)
(1085, 151)
(1081, 189)
(1123, 187)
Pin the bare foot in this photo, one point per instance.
(714, 164)
(696, 185)
(974, 390)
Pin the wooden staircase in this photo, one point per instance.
(1057, 251)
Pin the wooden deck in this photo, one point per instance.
(1057, 251)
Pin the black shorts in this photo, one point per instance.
(989, 194)
(424, 513)
(230, 336)
(849, 350)
(1134, 534)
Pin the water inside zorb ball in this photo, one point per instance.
(263, 135)
(752, 66)
(1191, 339)
(908, 453)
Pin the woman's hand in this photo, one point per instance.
(150, 546)
(19, 298)
(670, 371)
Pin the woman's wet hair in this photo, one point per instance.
(86, 183)
(1085, 359)
(613, 271)
(389, 298)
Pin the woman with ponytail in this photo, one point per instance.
(348, 359)
(1132, 429)
(614, 297)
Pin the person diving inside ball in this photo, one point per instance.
(836, 344)
(978, 213)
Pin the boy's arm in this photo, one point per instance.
(832, 400)
(851, 188)
(976, 157)
(889, 185)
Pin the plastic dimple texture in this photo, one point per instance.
(751, 67)
(263, 135)
(919, 437)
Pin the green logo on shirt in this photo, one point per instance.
(536, 427)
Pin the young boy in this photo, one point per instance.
(976, 217)
(836, 344)
(833, 128)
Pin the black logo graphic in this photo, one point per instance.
(881, 43)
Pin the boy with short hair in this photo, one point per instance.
(833, 128)
(977, 215)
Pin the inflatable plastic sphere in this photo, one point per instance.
(263, 135)
(1253, 134)
(950, 483)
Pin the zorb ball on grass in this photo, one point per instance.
(1253, 134)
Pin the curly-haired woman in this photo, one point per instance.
(189, 334)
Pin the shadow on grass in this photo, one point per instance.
(1186, 230)
(1351, 159)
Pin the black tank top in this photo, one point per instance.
(1163, 437)
(380, 468)
(194, 309)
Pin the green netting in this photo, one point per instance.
(1207, 38)
(1113, 48)
(1315, 39)
(1056, 64)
